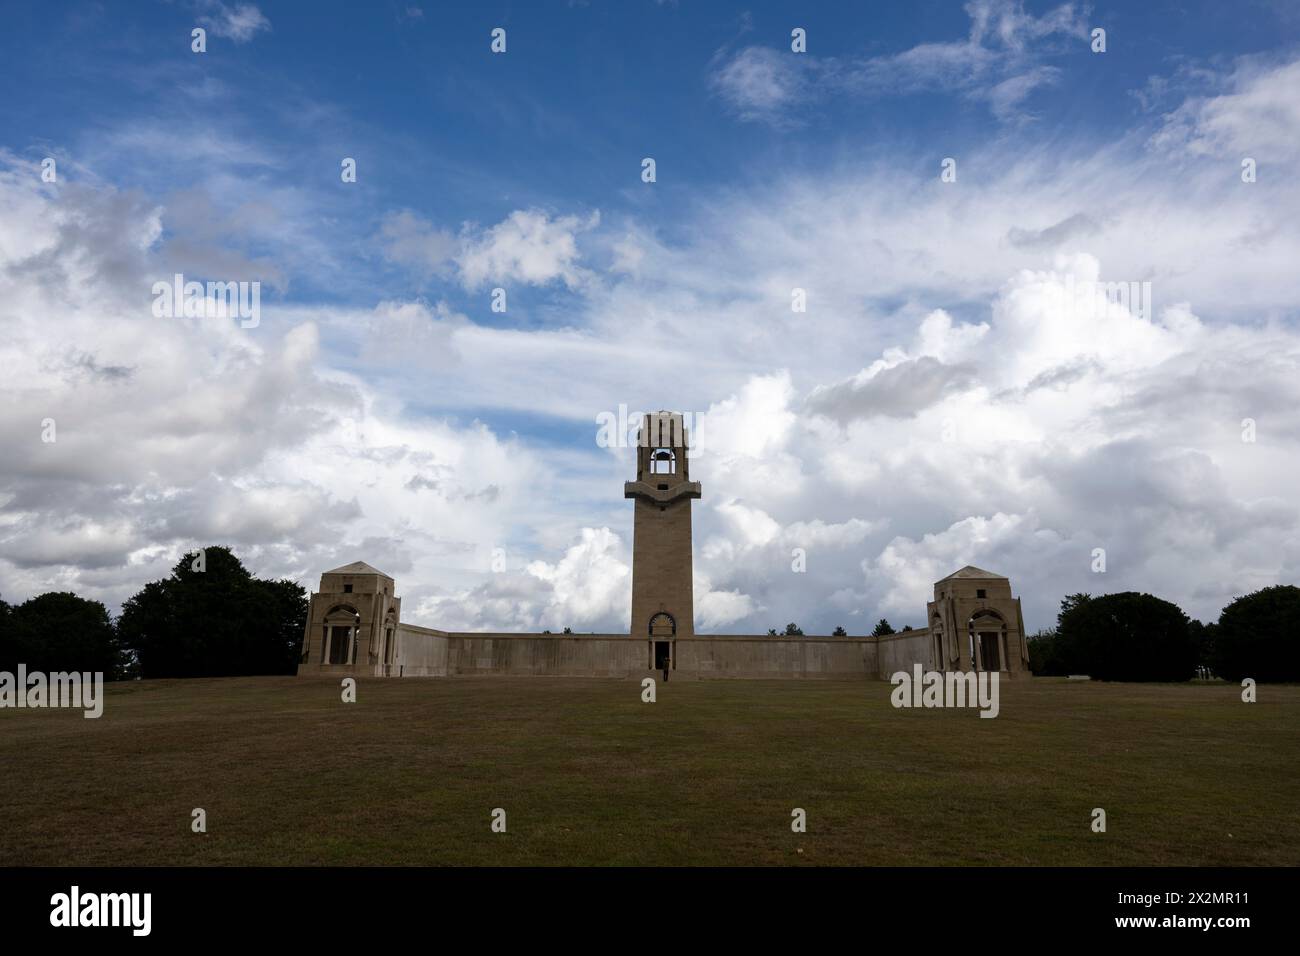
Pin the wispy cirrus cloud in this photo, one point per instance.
(998, 63)
(1254, 110)
(761, 83)
(528, 246)
(239, 23)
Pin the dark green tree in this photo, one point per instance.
(59, 631)
(793, 630)
(1202, 636)
(1126, 637)
(1045, 654)
(1258, 636)
(882, 628)
(212, 618)
(6, 637)
(839, 632)
(1069, 603)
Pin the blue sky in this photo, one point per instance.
(441, 126)
(382, 411)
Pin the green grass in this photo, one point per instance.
(707, 775)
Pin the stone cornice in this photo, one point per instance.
(644, 489)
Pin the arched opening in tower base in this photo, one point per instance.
(662, 631)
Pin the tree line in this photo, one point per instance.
(883, 627)
(209, 618)
(1139, 637)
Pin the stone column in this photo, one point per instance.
(958, 633)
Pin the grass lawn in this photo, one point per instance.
(709, 774)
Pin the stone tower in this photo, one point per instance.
(663, 607)
(351, 622)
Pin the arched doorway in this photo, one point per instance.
(662, 631)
